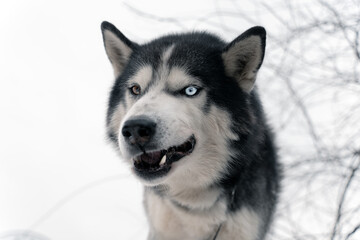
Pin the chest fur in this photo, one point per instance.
(169, 221)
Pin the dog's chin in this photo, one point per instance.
(152, 167)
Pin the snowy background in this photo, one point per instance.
(61, 179)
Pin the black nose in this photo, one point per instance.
(138, 131)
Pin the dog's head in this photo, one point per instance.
(178, 101)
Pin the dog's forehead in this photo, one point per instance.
(190, 51)
(167, 68)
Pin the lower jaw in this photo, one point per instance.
(151, 176)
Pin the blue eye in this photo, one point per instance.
(191, 90)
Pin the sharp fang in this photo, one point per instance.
(163, 160)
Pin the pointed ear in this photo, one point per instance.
(118, 48)
(243, 57)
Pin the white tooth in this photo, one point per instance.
(163, 160)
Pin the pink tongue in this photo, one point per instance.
(151, 158)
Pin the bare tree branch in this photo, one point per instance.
(352, 232)
(154, 17)
(342, 199)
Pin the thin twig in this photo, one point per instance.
(342, 199)
(59, 204)
(353, 232)
(154, 17)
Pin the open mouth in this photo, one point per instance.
(159, 162)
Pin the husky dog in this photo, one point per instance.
(184, 114)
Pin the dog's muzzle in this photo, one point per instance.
(151, 163)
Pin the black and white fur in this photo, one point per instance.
(224, 179)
